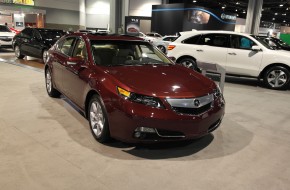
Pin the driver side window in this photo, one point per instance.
(241, 42)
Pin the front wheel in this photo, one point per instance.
(189, 63)
(51, 91)
(17, 52)
(98, 120)
(276, 77)
(44, 56)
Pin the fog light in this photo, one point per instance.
(137, 134)
(146, 130)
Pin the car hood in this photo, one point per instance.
(162, 80)
(7, 34)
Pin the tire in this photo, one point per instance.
(189, 63)
(51, 91)
(98, 120)
(44, 56)
(162, 48)
(276, 77)
(17, 52)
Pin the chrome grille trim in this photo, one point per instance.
(190, 102)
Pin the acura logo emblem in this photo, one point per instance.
(196, 103)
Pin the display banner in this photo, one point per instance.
(185, 17)
(132, 25)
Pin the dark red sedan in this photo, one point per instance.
(129, 90)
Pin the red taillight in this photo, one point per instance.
(171, 47)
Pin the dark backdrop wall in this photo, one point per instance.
(173, 18)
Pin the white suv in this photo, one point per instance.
(6, 36)
(240, 54)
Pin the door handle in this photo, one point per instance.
(232, 53)
(199, 50)
(71, 63)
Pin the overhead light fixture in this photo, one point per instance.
(273, 19)
(244, 11)
(237, 14)
(237, 3)
(236, 10)
(223, 7)
(287, 9)
(284, 14)
(284, 21)
(194, 1)
(281, 5)
(276, 13)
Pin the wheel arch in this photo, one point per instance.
(185, 56)
(273, 65)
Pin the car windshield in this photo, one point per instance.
(4, 29)
(121, 53)
(51, 34)
(261, 40)
(280, 42)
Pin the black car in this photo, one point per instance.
(276, 43)
(35, 42)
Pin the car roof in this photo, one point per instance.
(47, 29)
(103, 36)
(187, 34)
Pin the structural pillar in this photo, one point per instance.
(254, 16)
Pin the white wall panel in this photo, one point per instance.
(141, 7)
(97, 13)
(58, 4)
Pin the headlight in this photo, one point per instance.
(217, 91)
(141, 99)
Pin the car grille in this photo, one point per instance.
(192, 111)
(192, 106)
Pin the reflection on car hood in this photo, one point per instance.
(162, 80)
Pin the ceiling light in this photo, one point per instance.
(284, 21)
(273, 19)
(236, 10)
(287, 9)
(237, 14)
(194, 1)
(244, 11)
(284, 14)
(276, 13)
(281, 5)
(237, 3)
(223, 7)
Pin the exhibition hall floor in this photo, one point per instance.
(46, 143)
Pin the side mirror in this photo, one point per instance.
(256, 48)
(75, 60)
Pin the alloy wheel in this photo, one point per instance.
(187, 64)
(97, 119)
(17, 51)
(277, 78)
(48, 81)
(44, 56)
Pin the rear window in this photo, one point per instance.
(51, 34)
(4, 29)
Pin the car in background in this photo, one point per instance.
(164, 42)
(35, 42)
(240, 55)
(154, 35)
(112, 80)
(275, 42)
(146, 38)
(15, 30)
(6, 36)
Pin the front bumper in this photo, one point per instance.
(6, 43)
(126, 118)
